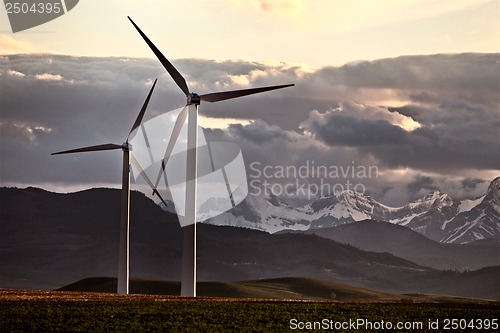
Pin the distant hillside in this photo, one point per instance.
(49, 240)
(279, 288)
(408, 244)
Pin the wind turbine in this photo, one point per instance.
(123, 256)
(188, 278)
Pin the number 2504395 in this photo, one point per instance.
(33, 8)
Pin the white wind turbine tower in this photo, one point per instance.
(188, 278)
(123, 256)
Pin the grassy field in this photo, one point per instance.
(278, 288)
(154, 316)
(30, 311)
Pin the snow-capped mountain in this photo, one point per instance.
(266, 213)
(428, 215)
(436, 215)
(345, 207)
(481, 221)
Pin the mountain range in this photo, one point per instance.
(437, 215)
(49, 240)
(405, 243)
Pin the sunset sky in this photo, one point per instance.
(311, 33)
(409, 86)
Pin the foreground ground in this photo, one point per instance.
(49, 311)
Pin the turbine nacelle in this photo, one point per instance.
(193, 98)
(126, 146)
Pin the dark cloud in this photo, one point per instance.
(454, 135)
(471, 183)
(421, 185)
(468, 75)
(412, 111)
(345, 130)
(258, 132)
(383, 191)
(53, 102)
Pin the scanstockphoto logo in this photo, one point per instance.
(26, 14)
(310, 179)
(221, 175)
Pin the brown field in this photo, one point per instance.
(50, 295)
(74, 311)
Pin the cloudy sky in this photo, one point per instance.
(410, 87)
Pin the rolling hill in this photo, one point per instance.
(278, 288)
(49, 240)
(403, 242)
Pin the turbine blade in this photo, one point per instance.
(109, 146)
(155, 192)
(138, 166)
(141, 114)
(148, 145)
(220, 96)
(168, 66)
(181, 118)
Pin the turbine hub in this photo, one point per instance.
(193, 98)
(127, 146)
